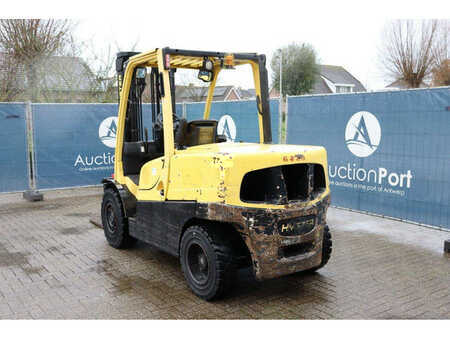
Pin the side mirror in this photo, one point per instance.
(205, 75)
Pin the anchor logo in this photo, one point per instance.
(227, 127)
(107, 131)
(363, 134)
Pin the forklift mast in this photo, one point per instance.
(134, 130)
(133, 120)
(121, 59)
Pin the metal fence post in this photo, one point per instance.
(31, 195)
(286, 119)
(184, 110)
(280, 120)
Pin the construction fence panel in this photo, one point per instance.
(238, 120)
(14, 174)
(388, 152)
(75, 143)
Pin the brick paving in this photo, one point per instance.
(55, 264)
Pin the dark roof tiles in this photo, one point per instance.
(339, 75)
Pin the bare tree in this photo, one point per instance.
(441, 74)
(43, 59)
(66, 77)
(101, 63)
(441, 71)
(29, 42)
(408, 51)
(10, 86)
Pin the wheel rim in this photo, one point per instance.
(198, 263)
(111, 219)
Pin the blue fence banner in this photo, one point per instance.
(13, 148)
(74, 143)
(238, 120)
(388, 152)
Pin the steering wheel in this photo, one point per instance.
(176, 121)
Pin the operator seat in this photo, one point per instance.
(201, 132)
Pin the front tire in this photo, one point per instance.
(115, 224)
(207, 261)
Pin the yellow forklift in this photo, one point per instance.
(217, 205)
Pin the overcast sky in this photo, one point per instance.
(338, 41)
(345, 33)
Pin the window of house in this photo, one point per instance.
(343, 89)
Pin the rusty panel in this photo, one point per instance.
(260, 230)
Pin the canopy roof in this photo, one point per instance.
(192, 59)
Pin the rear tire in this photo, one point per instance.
(207, 261)
(327, 248)
(115, 224)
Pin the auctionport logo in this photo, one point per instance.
(363, 134)
(107, 131)
(227, 127)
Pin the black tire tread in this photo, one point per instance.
(327, 248)
(224, 259)
(123, 240)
